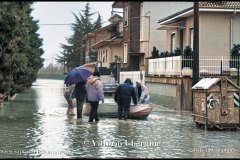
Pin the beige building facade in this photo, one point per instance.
(218, 29)
(106, 42)
(151, 12)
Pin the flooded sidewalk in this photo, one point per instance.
(35, 125)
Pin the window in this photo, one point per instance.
(125, 16)
(100, 55)
(173, 40)
(181, 39)
(103, 57)
(106, 54)
(191, 38)
(125, 53)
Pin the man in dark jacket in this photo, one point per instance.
(123, 95)
(80, 94)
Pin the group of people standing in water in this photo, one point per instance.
(91, 91)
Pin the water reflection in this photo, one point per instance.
(35, 125)
(51, 128)
(17, 119)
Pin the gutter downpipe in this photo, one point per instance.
(231, 29)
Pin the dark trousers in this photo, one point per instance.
(79, 108)
(93, 112)
(123, 111)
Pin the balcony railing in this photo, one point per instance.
(182, 66)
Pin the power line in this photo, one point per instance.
(56, 24)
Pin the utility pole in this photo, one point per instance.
(196, 44)
(52, 63)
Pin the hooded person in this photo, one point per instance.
(123, 95)
(144, 95)
(138, 89)
(94, 95)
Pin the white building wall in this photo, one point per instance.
(157, 11)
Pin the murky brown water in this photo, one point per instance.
(35, 125)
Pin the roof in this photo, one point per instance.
(118, 4)
(92, 34)
(228, 6)
(115, 17)
(206, 83)
(220, 4)
(114, 40)
(185, 12)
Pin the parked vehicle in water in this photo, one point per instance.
(109, 84)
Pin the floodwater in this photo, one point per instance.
(35, 125)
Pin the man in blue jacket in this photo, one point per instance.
(123, 95)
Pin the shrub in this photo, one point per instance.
(178, 52)
(234, 58)
(187, 58)
(155, 53)
(187, 51)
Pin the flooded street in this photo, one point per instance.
(35, 125)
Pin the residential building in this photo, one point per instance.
(218, 31)
(218, 28)
(110, 48)
(104, 46)
(151, 12)
(169, 25)
(132, 57)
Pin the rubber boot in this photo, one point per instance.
(79, 113)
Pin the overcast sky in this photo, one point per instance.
(61, 13)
